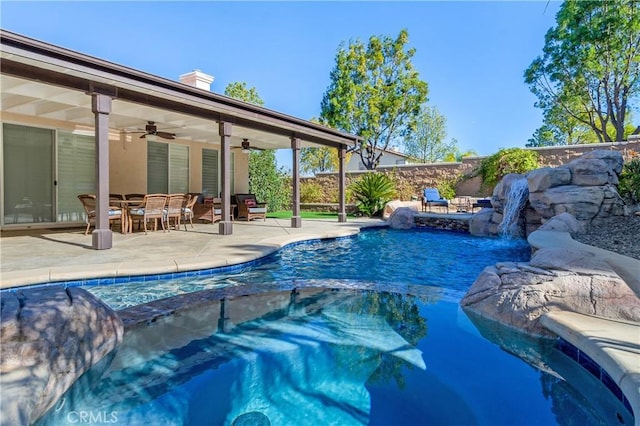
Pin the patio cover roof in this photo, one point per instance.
(51, 82)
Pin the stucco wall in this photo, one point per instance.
(419, 176)
(128, 165)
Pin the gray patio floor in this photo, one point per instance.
(39, 256)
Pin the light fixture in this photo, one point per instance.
(151, 138)
(245, 146)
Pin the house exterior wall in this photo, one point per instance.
(388, 159)
(128, 157)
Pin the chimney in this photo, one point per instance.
(197, 78)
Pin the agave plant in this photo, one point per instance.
(371, 192)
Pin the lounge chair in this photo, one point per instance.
(89, 204)
(481, 203)
(206, 210)
(432, 197)
(249, 208)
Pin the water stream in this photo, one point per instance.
(514, 202)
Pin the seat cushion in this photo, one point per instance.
(137, 212)
(257, 210)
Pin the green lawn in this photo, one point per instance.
(284, 214)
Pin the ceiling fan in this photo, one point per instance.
(246, 147)
(152, 129)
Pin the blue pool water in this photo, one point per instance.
(448, 260)
(312, 355)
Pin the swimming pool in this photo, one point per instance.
(316, 355)
(451, 261)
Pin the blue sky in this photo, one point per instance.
(472, 54)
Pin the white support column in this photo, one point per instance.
(296, 219)
(226, 225)
(342, 183)
(101, 107)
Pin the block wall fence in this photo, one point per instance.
(420, 176)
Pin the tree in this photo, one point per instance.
(547, 135)
(238, 90)
(425, 141)
(322, 159)
(318, 160)
(589, 69)
(456, 154)
(375, 93)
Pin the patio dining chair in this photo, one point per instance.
(173, 210)
(134, 197)
(153, 208)
(89, 205)
(187, 209)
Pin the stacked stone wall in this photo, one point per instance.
(416, 177)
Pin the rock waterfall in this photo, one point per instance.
(516, 198)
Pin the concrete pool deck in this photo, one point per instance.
(37, 256)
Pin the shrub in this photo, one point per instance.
(447, 188)
(334, 195)
(629, 186)
(270, 184)
(404, 190)
(310, 192)
(505, 161)
(371, 192)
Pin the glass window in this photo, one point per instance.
(167, 168)
(210, 173)
(178, 169)
(157, 168)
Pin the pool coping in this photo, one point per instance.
(609, 344)
(613, 345)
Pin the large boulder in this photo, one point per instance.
(563, 222)
(581, 202)
(548, 177)
(402, 218)
(391, 206)
(49, 338)
(518, 294)
(481, 224)
(584, 188)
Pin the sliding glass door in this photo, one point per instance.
(28, 174)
